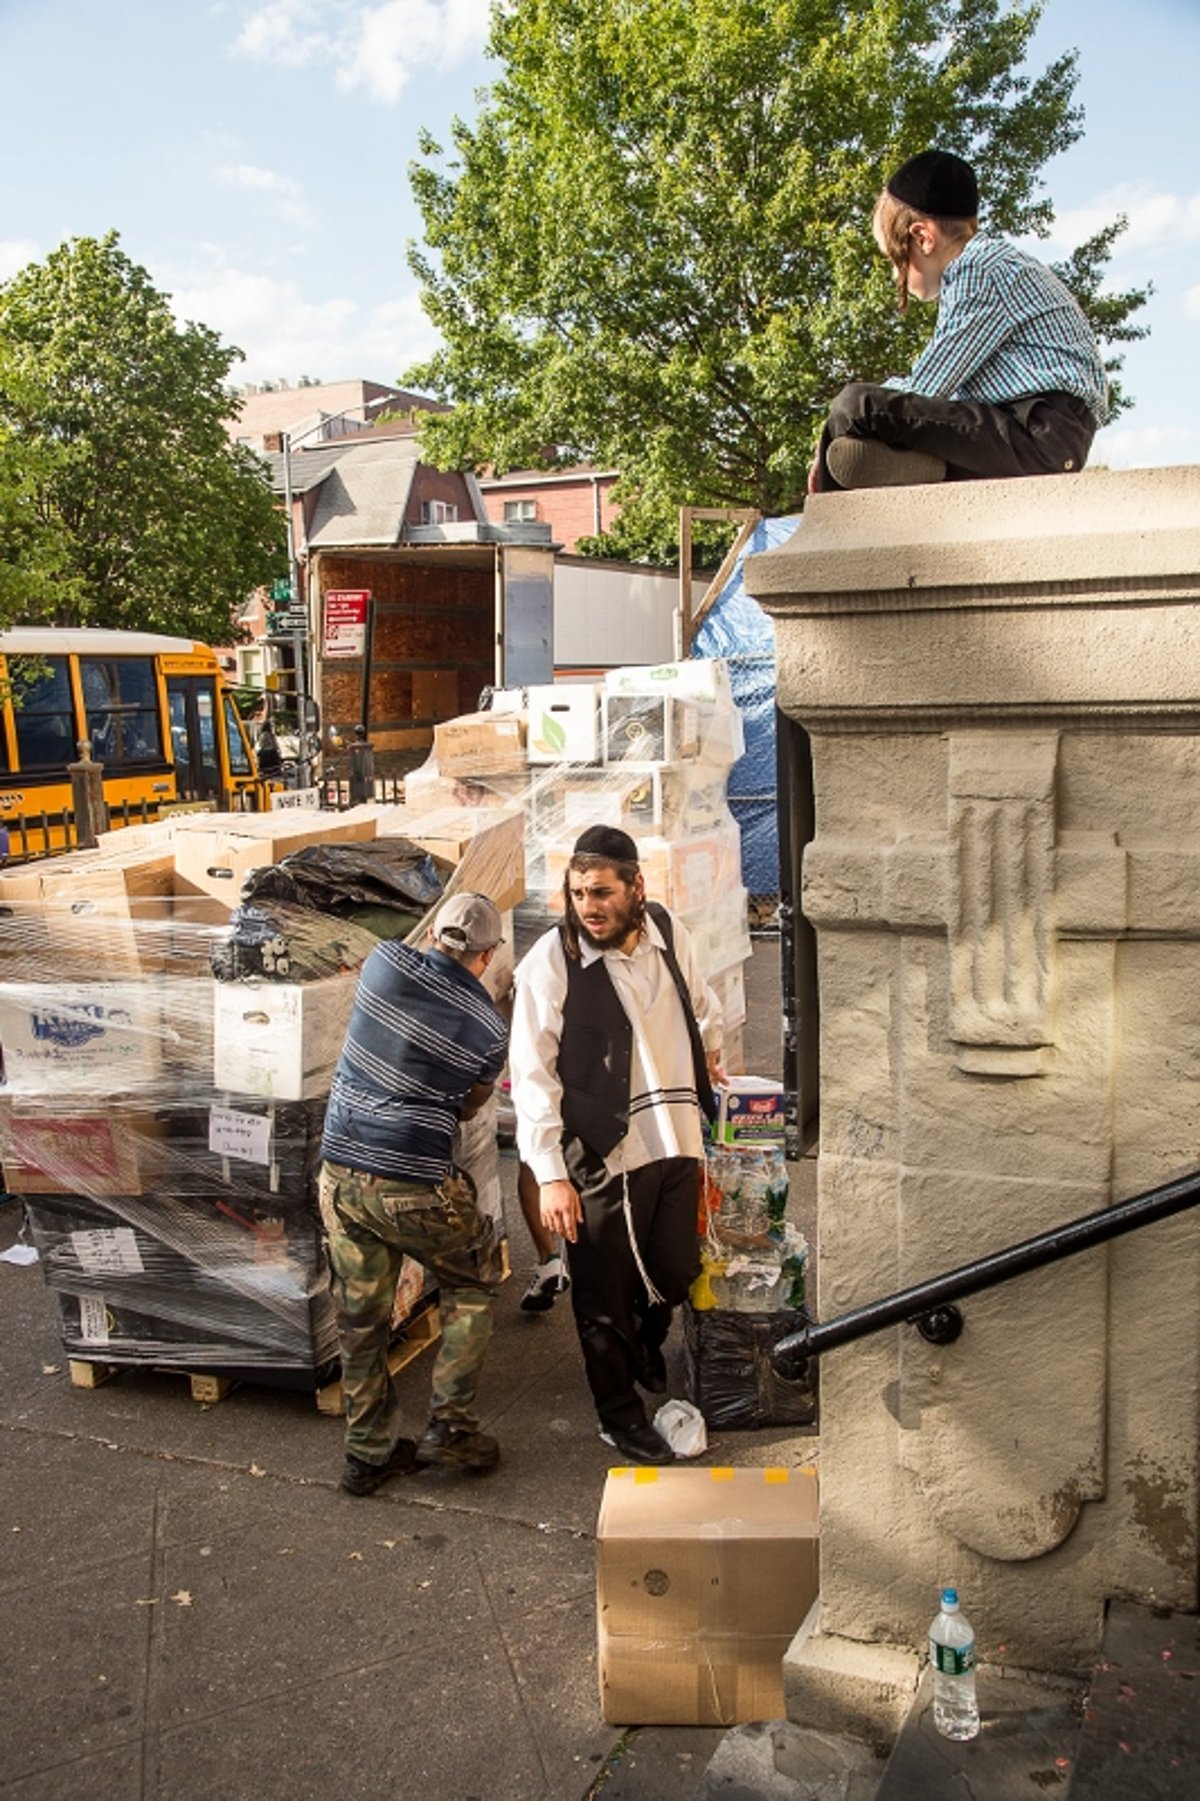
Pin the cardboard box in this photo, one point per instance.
(480, 744)
(729, 986)
(648, 730)
(695, 678)
(564, 724)
(703, 1577)
(66, 1038)
(485, 846)
(280, 1040)
(94, 1151)
(721, 931)
(215, 852)
(750, 1110)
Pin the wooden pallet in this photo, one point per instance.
(205, 1388)
(425, 1329)
(420, 1333)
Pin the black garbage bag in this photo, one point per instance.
(341, 878)
(729, 1374)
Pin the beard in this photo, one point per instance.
(619, 925)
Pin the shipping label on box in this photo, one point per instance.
(280, 1040)
(751, 1110)
(80, 1037)
(563, 723)
(480, 744)
(703, 1577)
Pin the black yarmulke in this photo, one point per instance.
(607, 841)
(937, 183)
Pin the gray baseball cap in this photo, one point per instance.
(468, 922)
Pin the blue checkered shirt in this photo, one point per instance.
(1007, 328)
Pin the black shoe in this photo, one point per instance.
(457, 1448)
(359, 1478)
(654, 1372)
(639, 1443)
(866, 463)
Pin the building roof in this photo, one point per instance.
(365, 495)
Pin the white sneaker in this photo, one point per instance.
(547, 1282)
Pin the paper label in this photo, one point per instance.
(235, 1134)
(103, 1251)
(93, 1319)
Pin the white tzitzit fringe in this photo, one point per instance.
(655, 1299)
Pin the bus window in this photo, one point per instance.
(239, 760)
(45, 719)
(121, 704)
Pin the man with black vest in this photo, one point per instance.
(615, 1041)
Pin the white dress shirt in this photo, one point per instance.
(664, 1115)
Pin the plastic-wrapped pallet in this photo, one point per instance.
(164, 1126)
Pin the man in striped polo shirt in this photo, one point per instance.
(1012, 381)
(423, 1049)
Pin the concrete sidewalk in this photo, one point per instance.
(192, 1609)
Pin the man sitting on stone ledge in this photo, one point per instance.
(1011, 382)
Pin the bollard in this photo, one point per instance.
(362, 768)
(87, 797)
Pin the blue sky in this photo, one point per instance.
(253, 156)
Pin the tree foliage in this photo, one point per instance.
(653, 246)
(122, 502)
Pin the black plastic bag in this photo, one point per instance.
(729, 1375)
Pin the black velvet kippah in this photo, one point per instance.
(607, 841)
(937, 183)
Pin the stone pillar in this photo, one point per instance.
(1001, 681)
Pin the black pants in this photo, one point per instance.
(616, 1321)
(1045, 434)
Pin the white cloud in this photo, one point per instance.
(379, 48)
(282, 188)
(1155, 218)
(287, 332)
(15, 253)
(1146, 446)
(286, 32)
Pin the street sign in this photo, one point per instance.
(346, 613)
(282, 589)
(288, 621)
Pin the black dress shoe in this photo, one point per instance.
(654, 1372)
(640, 1443)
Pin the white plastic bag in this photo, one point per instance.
(682, 1425)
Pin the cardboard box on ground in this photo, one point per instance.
(163, 1126)
(703, 1577)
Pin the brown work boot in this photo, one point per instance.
(457, 1447)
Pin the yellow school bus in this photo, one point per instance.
(153, 710)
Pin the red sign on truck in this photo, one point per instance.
(346, 614)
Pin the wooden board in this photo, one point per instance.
(205, 1388)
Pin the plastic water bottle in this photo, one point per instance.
(952, 1657)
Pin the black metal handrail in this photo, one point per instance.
(930, 1305)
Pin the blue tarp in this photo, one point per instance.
(736, 628)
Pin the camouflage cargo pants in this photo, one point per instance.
(372, 1224)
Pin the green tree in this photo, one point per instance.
(122, 502)
(653, 247)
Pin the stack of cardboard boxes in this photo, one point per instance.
(647, 749)
(163, 1126)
